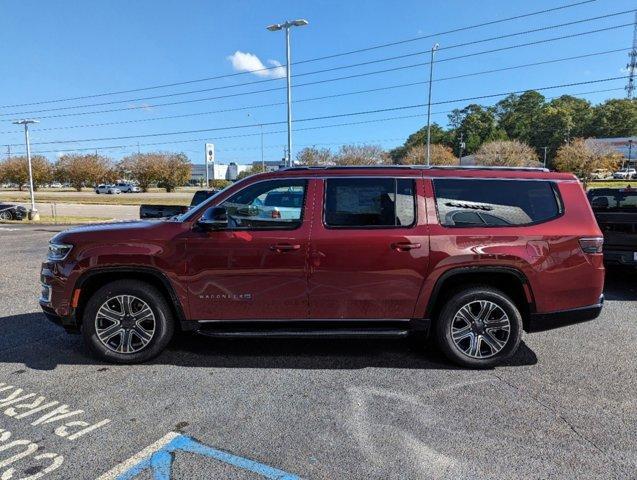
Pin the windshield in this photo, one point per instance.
(613, 200)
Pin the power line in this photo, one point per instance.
(393, 69)
(351, 52)
(367, 112)
(370, 62)
(324, 97)
(273, 132)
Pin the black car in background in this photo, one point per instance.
(12, 212)
(165, 211)
(616, 213)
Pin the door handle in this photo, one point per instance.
(404, 246)
(284, 247)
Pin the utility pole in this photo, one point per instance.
(630, 150)
(33, 213)
(545, 149)
(262, 159)
(8, 151)
(460, 148)
(431, 74)
(286, 26)
(632, 64)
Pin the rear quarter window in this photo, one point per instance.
(491, 203)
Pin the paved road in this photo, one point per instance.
(565, 407)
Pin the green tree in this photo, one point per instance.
(438, 136)
(615, 118)
(477, 125)
(517, 115)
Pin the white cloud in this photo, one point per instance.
(249, 62)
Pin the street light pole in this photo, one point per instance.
(431, 74)
(33, 213)
(286, 26)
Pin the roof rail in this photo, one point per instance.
(416, 167)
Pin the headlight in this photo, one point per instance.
(58, 251)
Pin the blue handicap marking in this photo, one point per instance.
(160, 461)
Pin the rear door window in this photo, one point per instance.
(369, 202)
(490, 203)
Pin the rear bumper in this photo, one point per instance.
(539, 322)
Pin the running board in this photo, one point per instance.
(329, 333)
(346, 328)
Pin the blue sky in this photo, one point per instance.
(62, 49)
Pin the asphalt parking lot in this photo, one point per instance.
(565, 406)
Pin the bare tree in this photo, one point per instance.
(16, 170)
(362, 155)
(440, 155)
(84, 169)
(312, 156)
(174, 170)
(143, 167)
(507, 153)
(583, 157)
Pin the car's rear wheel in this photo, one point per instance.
(479, 327)
(127, 321)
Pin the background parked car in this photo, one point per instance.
(56, 185)
(625, 174)
(616, 212)
(601, 174)
(12, 212)
(110, 189)
(165, 211)
(127, 187)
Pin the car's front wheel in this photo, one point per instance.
(6, 215)
(479, 327)
(127, 321)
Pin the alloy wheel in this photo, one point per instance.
(480, 329)
(125, 324)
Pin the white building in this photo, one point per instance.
(217, 171)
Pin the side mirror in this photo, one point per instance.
(215, 218)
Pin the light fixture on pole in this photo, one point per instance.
(431, 74)
(286, 26)
(33, 213)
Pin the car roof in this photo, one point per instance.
(421, 170)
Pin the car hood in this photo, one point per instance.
(113, 232)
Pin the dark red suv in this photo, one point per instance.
(470, 256)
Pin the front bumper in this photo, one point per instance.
(539, 322)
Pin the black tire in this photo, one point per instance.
(454, 351)
(6, 215)
(163, 321)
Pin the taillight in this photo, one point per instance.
(591, 245)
